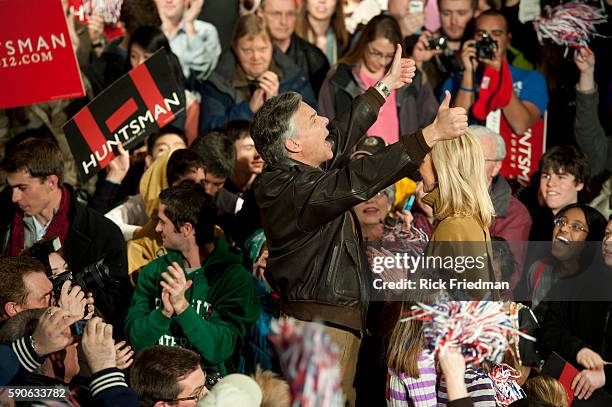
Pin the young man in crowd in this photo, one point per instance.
(219, 157)
(249, 165)
(456, 16)
(280, 17)
(563, 173)
(131, 215)
(521, 95)
(166, 374)
(38, 204)
(248, 161)
(198, 296)
(194, 42)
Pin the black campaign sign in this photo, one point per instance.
(139, 103)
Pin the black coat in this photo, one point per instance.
(315, 258)
(90, 237)
(311, 59)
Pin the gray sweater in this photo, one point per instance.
(590, 135)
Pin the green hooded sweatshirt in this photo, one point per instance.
(223, 300)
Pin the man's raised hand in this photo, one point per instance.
(450, 122)
(401, 72)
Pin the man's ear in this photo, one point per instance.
(579, 186)
(52, 181)
(187, 229)
(293, 146)
(10, 308)
(496, 168)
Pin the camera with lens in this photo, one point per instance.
(436, 43)
(91, 278)
(486, 47)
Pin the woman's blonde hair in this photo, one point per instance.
(405, 345)
(548, 389)
(460, 167)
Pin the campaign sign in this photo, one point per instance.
(37, 62)
(110, 10)
(523, 152)
(139, 103)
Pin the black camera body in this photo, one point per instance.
(91, 278)
(436, 43)
(486, 47)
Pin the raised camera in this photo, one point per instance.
(436, 43)
(486, 47)
(91, 278)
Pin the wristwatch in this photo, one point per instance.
(383, 89)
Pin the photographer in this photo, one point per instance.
(489, 82)
(438, 54)
(46, 349)
(25, 286)
(37, 204)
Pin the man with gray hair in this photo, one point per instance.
(512, 220)
(305, 194)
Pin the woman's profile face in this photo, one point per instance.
(321, 9)
(428, 174)
(138, 55)
(378, 54)
(570, 231)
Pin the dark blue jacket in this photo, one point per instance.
(221, 102)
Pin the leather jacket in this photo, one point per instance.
(315, 258)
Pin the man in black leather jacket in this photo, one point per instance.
(307, 189)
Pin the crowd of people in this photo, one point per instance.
(318, 137)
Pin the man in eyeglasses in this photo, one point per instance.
(512, 220)
(165, 375)
(280, 17)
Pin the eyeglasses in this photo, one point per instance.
(377, 54)
(197, 395)
(277, 14)
(575, 227)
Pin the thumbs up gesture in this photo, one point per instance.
(450, 122)
(401, 72)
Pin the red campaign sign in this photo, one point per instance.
(37, 62)
(139, 103)
(523, 152)
(109, 9)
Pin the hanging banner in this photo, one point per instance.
(139, 103)
(37, 62)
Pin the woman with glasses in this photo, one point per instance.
(576, 324)
(574, 225)
(406, 110)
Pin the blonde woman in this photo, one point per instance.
(546, 388)
(454, 178)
